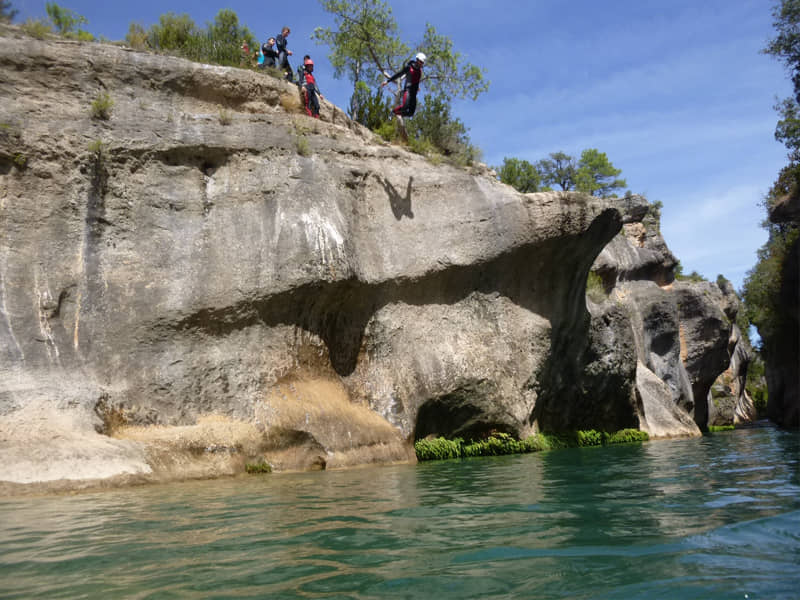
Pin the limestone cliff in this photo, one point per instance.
(209, 278)
(684, 332)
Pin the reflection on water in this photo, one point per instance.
(717, 517)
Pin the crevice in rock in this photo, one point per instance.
(205, 158)
(6, 164)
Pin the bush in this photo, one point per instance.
(370, 109)
(218, 43)
(625, 436)
(171, 33)
(438, 449)
(303, 147)
(595, 289)
(20, 160)
(590, 438)
(257, 468)
(762, 285)
(499, 444)
(101, 106)
(681, 276)
(718, 428)
(37, 28)
(67, 22)
(225, 117)
(433, 124)
(97, 147)
(388, 131)
(136, 37)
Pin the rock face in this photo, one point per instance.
(209, 278)
(682, 330)
(782, 350)
(728, 401)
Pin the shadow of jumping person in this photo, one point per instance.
(401, 206)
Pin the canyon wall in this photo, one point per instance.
(209, 278)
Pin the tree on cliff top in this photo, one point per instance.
(520, 174)
(366, 46)
(560, 169)
(67, 22)
(596, 175)
(7, 13)
(592, 174)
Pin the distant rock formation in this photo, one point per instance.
(182, 293)
(682, 329)
(728, 401)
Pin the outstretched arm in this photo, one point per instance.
(396, 75)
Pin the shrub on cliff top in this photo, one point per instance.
(218, 43)
(37, 28)
(67, 22)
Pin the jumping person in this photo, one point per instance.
(284, 53)
(413, 73)
(309, 88)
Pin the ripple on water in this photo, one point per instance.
(717, 517)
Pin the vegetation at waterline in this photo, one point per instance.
(502, 443)
(258, 468)
(718, 428)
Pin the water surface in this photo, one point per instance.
(717, 517)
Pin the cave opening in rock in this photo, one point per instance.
(466, 413)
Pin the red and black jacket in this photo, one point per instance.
(413, 73)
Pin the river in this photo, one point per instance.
(713, 517)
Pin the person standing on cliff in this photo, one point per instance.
(284, 53)
(308, 85)
(413, 74)
(270, 54)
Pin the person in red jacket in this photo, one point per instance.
(311, 93)
(413, 75)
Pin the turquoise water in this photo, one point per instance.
(717, 517)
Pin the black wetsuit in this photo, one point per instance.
(283, 56)
(312, 100)
(270, 56)
(408, 104)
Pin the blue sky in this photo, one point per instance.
(675, 92)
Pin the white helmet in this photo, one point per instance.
(420, 57)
